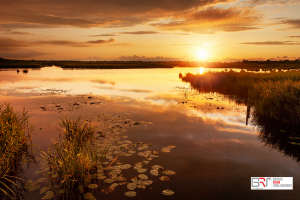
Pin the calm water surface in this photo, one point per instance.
(215, 154)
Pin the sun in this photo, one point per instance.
(202, 54)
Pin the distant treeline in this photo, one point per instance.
(245, 64)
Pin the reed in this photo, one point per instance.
(15, 147)
(73, 162)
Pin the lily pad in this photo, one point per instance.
(168, 172)
(167, 192)
(41, 180)
(89, 196)
(114, 185)
(137, 167)
(38, 172)
(93, 186)
(145, 162)
(109, 180)
(130, 193)
(126, 166)
(143, 176)
(157, 167)
(63, 191)
(154, 172)
(147, 182)
(142, 170)
(164, 178)
(44, 189)
(49, 195)
(131, 186)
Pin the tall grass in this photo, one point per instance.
(76, 130)
(73, 162)
(15, 147)
(274, 95)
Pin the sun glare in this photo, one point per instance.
(202, 55)
(201, 70)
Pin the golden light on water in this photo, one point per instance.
(201, 70)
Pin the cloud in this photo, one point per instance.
(100, 41)
(291, 23)
(21, 54)
(17, 32)
(140, 32)
(73, 43)
(119, 44)
(92, 13)
(211, 20)
(296, 36)
(8, 44)
(143, 58)
(273, 43)
(105, 34)
(271, 2)
(186, 44)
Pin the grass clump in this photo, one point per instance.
(73, 163)
(76, 130)
(15, 147)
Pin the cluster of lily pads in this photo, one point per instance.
(101, 163)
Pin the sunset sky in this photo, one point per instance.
(209, 30)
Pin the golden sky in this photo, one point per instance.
(210, 30)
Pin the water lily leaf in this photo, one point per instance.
(38, 172)
(147, 182)
(49, 195)
(131, 151)
(141, 154)
(167, 192)
(141, 186)
(123, 183)
(142, 170)
(157, 167)
(137, 181)
(168, 172)
(101, 177)
(171, 146)
(130, 193)
(165, 150)
(109, 180)
(44, 189)
(116, 171)
(282, 131)
(89, 196)
(154, 172)
(93, 186)
(41, 180)
(131, 186)
(143, 176)
(114, 185)
(164, 178)
(137, 167)
(145, 162)
(126, 166)
(54, 176)
(63, 191)
(108, 190)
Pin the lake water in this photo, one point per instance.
(216, 153)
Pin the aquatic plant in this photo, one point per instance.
(15, 147)
(76, 130)
(75, 171)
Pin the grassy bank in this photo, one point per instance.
(250, 65)
(274, 95)
(15, 148)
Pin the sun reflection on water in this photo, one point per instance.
(201, 70)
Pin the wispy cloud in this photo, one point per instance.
(212, 20)
(272, 43)
(140, 32)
